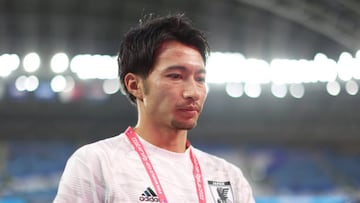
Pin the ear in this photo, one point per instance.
(134, 85)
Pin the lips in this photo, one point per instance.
(189, 111)
(189, 108)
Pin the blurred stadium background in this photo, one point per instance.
(283, 98)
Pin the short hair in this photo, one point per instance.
(138, 49)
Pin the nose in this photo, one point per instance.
(192, 90)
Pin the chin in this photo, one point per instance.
(183, 125)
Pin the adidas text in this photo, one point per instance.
(148, 199)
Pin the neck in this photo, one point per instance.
(169, 139)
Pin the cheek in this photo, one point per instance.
(161, 96)
(166, 95)
(204, 93)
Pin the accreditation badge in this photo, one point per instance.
(221, 191)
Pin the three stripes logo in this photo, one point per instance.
(149, 196)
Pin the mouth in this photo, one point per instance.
(189, 111)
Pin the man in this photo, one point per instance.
(162, 71)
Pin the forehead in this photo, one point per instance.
(176, 52)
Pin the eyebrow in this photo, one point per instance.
(183, 68)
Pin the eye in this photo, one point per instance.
(200, 79)
(174, 76)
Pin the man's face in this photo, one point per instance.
(175, 90)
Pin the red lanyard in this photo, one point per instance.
(139, 148)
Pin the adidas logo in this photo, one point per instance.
(149, 196)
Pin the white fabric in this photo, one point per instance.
(111, 171)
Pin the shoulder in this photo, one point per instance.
(219, 168)
(214, 161)
(98, 150)
(96, 157)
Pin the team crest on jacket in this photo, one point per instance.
(221, 191)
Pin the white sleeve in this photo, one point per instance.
(246, 191)
(249, 197)
(79, 183)
(243, 189)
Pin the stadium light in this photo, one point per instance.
(224, 67)
(94, 66)
(255, 71)
(333, 88)
(279, 90)
(239, 75)
(325, 68)
(31, 83)
(59, 63)
(346, 65)
(31, 62)
(252, 90)
(8, 63)
(281, 72)
(111, 86)
(234, 89)
(58, 83)
(351, 87)
(20, 83)
(297, 90)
